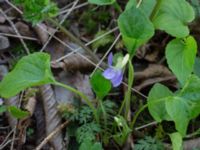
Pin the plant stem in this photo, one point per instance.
(155, 10)
(83, 96)
(137, 114)
(95, 59)
(104, 113)
(127, 98)
(128, 93)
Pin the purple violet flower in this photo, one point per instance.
(115, 73)
(1, 101)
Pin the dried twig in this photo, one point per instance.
(6, 138)
(61, 22)
(51, 135)
(108, 51)
(16, 31)
(16, 36)
(146, 125)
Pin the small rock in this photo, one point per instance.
(4, 42)
(2, 19)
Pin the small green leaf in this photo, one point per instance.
(177, 141)
(135, 28)
(145, 6)
(101, 2)
(89, 145)
(180, 56)
(100, 85)
(191, 94)
(179, 111)
(121, 137)
(36, 11)
(156, 102)
(181, 107)
(17, 113)
(31, 70)
(2, 109)
(173, 17)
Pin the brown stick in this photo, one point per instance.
(51, 135)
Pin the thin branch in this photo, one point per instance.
(77, 7)
(108, 51)
(16, 31)
(45, 141)
(87, 44)
(9, 141)
(6, 138)
(146, 125)
(16, 36)
(64, 18)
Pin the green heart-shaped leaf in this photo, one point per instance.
(31, 70)
(180, 107)
(156, 102)
(180, 54)
(173, 17)
(100, 85)
(135, 28)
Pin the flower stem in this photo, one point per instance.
(137, 114)
(83, 96)
(103, 112)
(127, 100)
(130, 83)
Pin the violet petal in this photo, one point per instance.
(109, 73)
(1, 101)
(110, 59)
(117, 80)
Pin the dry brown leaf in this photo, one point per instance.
(40, 123)
(52, 118)
(42, 35)
(74, 63)
(24, 29)
(152, 81)
(76, 80)
(82, 84)
(30, 106)
(22, 127)
(153, 70)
